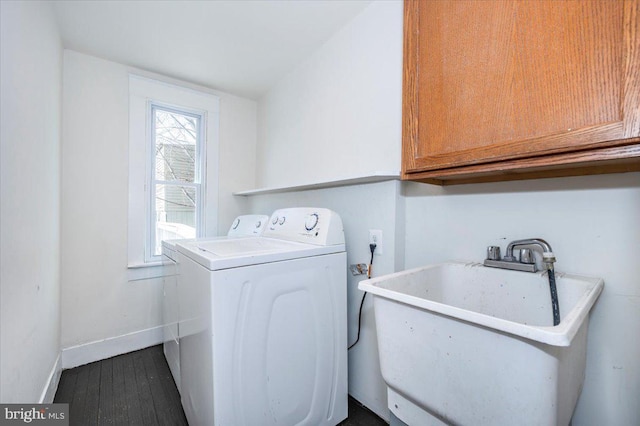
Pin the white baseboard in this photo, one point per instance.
(50, 388)
(75, 356)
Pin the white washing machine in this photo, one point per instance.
(263, 336)
(242, 226)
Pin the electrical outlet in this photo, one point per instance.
(375, 237)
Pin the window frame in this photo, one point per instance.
(144, 89)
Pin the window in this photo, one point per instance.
(175, 180)
(173, 140)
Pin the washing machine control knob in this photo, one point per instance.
(235, 223)
(275, 220)
(311, 221)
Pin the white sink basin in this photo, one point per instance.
(471, 345)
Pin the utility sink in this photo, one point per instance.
(464, 344)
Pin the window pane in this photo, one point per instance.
(175, 214)
(176, 136)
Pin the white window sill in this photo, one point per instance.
(145, 265)
(151, 270)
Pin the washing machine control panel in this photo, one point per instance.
(248, 225)
(318, 226)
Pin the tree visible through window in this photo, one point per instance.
(176, 176)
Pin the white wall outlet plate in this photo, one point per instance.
(375, 237)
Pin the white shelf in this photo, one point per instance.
(357, 180)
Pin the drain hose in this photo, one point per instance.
(554, 295)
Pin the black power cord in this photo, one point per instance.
(372, 247)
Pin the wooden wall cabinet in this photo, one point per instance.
(502, 90)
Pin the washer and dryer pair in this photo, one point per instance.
(262, 324)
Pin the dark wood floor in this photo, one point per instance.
(359, 415)
(137, 389)
(131, 389)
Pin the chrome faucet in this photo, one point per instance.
(526, 261)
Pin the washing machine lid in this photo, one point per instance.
(234, 253)
(251, 225)
(169, 247)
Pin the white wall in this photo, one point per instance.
(337, 114)
(31, 84)
(593, 226)
(98, 300)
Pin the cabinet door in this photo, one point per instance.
(489, 81)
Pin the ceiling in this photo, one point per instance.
(242, 47)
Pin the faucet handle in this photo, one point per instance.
(526, 256)
(493, 253)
